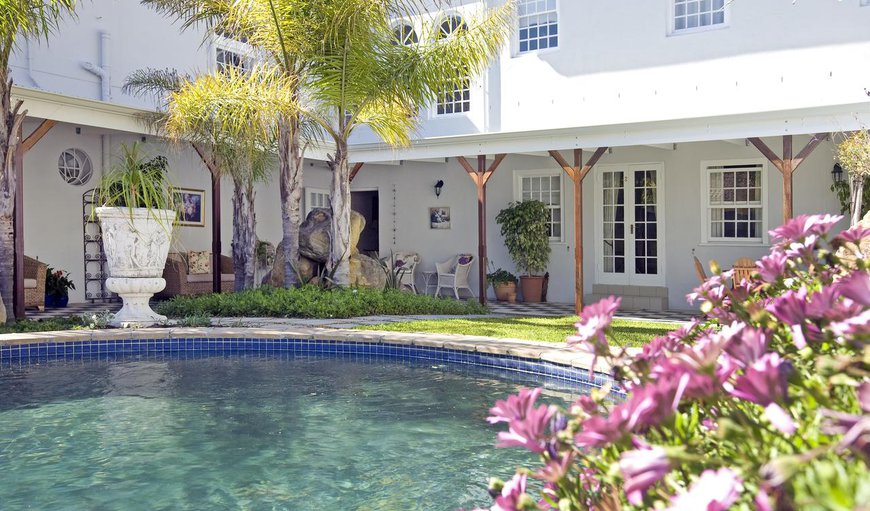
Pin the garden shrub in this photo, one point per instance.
(314, 302)
(765, 405)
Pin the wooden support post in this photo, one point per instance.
(18, 230)
(577, 173)
(216, 245)
(355, 169)
(216, 248)
(480, 176)
(787, 165)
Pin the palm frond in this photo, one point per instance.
(29, 18)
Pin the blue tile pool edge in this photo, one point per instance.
(41, 350)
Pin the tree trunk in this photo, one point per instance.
(339, 264)
(290, 168)
(244, 235)
(856, 200)
(10, 128)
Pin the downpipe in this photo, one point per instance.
(103, 71)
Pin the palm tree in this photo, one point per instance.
(18, 18)
(368, 73)
(231, 118)
(284, 40)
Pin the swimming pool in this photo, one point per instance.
(277, 424)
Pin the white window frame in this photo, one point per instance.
(706, 238)
(672, 13)
(516, 36)
(518, 194)
(436, 34)
(402, 22)
(245, 51)
(309, 197)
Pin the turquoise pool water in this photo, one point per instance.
(250, 434)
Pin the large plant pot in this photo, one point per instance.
(532, 287)
(136, 243)
(506, 292)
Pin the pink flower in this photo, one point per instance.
(556, 468)
(803, 226)
(854, 428)
(642, 468)
(594, 320)
(514, 407)
(855, 234)
(856, 287)
(772, 266)
(511, 494)
(713, 491)
(747, 346)
(765, 383)
(856, 325)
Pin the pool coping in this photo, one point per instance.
(559, 354)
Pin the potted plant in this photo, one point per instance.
(525, 227)
(504, 283)
(57, 286)
(136, 217)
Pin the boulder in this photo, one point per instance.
(847, 256)
(2, 312)
(275, 278)
(366, 272)
(314, 234)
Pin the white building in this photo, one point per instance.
(674, 89)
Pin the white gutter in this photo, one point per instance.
(104, 69)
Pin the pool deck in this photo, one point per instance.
(529, 350)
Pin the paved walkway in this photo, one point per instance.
(497, 309)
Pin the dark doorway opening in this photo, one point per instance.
(366, 204)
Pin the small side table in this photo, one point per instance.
(430, 279)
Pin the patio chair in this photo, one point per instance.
(34, 283)
(699, 268)
(453, 274)
(743, 270)
(405, 263)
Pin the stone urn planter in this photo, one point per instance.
(136, 242)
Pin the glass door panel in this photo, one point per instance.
(613, 222)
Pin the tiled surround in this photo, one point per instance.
(529, 358)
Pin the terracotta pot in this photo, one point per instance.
(504, 290)
(532, 287)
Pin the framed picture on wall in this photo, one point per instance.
(191, 206)
(439, 218)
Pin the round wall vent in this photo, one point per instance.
(75, 167)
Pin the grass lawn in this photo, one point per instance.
(625, 332)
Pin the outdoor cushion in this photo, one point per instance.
(29, 283)
(198, 263)
(464, 259)
(206, 277)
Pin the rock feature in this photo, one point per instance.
(847, 256)
(367, 272)
(2, 312)
(314, 252)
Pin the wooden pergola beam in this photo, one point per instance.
(479, 177)
(578, 173)
(787, 165)
(355, 170)
(37, 134)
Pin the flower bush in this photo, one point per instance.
(763, 405)
(57, 282)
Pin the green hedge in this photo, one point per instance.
(314, 302)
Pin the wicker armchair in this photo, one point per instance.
(180, 282)
(34, 283)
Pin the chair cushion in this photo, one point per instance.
(199, 263)
(206, 277)
(464, 259)
(29, 283)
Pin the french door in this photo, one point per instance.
(629, 224)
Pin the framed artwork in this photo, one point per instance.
(191, 206)
(439, 218)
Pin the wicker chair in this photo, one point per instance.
(180, 282)
(34, 283)
(453, 274)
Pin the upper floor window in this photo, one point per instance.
(405, 35)
(227, 59)
(457, 98)
(694, 14)
(538, 25)
(544, 186)
(734, 201)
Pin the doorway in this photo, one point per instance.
(366, 203)
(629, 228)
